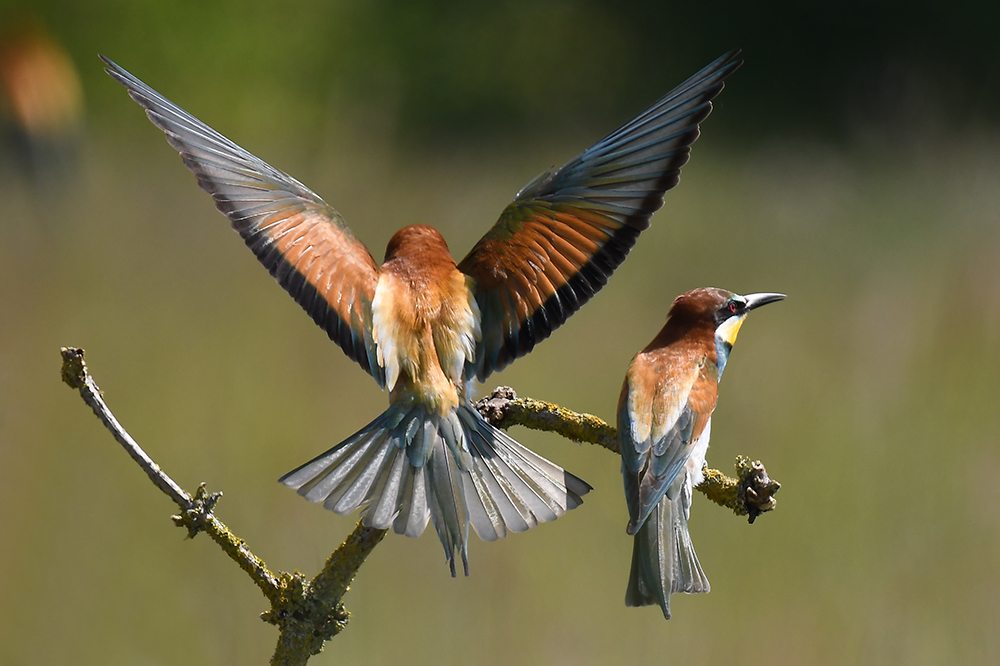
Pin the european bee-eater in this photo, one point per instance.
(664, 424)
(424, 326)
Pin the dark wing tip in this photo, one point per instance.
(729, 61)
(116, 71)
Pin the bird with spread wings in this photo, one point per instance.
(424, 327)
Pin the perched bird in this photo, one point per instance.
(664, 424)
(424, 327)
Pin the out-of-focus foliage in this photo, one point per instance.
(852, 164)
(450, 69)
(42, 101)
(39, 83)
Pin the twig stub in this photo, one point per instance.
(74, 367)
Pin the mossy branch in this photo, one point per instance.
(309, 613)
(750, 494)
(504, 409)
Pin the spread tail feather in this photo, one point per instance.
(410, 465)
(663, 557)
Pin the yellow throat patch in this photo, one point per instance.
(730, 329)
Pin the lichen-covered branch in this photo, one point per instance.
(751, 494)
(307, 614)
(504, 409)
(196, 512)
(200, 517)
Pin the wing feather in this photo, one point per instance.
(302, 241)
(590, 211)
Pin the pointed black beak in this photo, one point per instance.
(757, 300)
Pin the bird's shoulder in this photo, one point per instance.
(666, 379)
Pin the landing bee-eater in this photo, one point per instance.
(664, 424)
(424, 327)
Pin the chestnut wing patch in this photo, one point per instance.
(565, 233)
(301, 240)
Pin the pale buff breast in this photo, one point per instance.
(425, 331)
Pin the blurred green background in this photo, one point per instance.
(852, 163)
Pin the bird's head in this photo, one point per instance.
(733, 309)
(721, 310)
(417, 240)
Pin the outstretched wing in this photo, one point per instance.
(659, 424)
(302, 241)
(565, 233)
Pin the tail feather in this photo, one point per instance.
(336, 478)
(307, 476)
(358, 491)
(484, 510)
(646, 584)
(414, 513)
(529, 508)
(409, 466)
(418, 444)
(387, 490)
(448, 506)
(547, 481)
(691, 577)
(500, 506)
(663, 558)
(544, 490)
(454, 436)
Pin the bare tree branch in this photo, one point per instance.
(309, 613)
(74, 373)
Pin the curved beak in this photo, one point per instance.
(756, 300)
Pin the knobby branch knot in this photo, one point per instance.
(757, 489)
(198, 512)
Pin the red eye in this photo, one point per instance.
(732, 306)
